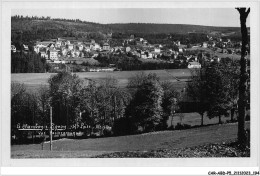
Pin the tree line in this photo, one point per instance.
(144, 105)
(29, 62)
(101, 104)
(214, 89)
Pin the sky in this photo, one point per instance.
(198, 16)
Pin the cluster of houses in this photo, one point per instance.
(69, 47)
(57, 50)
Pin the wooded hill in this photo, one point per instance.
(45, 28)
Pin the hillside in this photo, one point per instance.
(82, 28)
(177, 139)
(169, 28)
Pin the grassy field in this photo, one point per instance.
(80, 60)
(75, 148)
(34, 80)
(220, 55)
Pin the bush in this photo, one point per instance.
(181, 126)
(124, 126)
(107, 132)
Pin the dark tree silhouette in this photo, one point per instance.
(243, 76)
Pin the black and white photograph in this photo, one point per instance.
(135, 82)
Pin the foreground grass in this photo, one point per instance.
(211, 150)
(162, 140)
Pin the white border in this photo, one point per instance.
(253, 161)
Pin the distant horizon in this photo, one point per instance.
(138, 22)
(224, 17)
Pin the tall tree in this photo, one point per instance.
(43, 98)
(65, 93)
(243, 76)
(196, 89)
(18, 92)
(218, 85)
(169, 102)
(146, 107)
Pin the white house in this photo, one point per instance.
(194, 65)
(43, 54)
(106, 47)
(58, 44)
(205, 45)
(97, 46)
(80, 47)
(157, 50)
(53, 54)
(26, 48)
(36, 49)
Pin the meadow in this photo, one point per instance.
(177, 139)
(34, 80)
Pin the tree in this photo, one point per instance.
(196, 89)
(218, 85)
(89, 104)
(65, 93)
(18, 92)
(145, 107)
(43, 98)
(231, 70)
(243, 76)
(169, 102)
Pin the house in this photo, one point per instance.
(43, 44)
(178, 43)
(26, 48)
(81, 54)
(13, 48)
(53, 54)
(72, 53)
(132, 36)
(205, 45)
(64, 51)
(95, 54)
(92, 41)
(70, 46)
(87, 48)
(101, 69)
(58, 44)
(36, 49)
(180, 50)
(106, 47)
(80, 47)
(194, 65)
(43, 54)
(157, 50)
(51, 46)
(96, 46)
(77, 53)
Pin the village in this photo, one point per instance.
(68, 50)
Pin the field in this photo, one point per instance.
(220, 55)
(80, 60)
(177, 139)
(34, 80)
